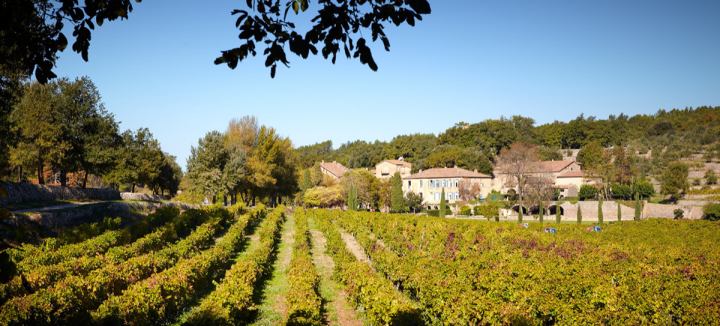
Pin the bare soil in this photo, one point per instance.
(354, 247)
(337, 309)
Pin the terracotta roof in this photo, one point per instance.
(562, 186)
(335, 168)
(554, 166)
(571, 174)
(373, 172)
(446, 173)
(398, 162)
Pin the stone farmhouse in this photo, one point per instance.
(430, 183)
(565, 175)
(334, 169)
(387, 168)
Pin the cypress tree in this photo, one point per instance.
(352, 199)
(619, 212)
(442, 203)
(396, 197)
(558, 217)
(600, 213)
(541, 212)
(579, 214)
(637, 208)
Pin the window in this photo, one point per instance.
(421, 196)
(444, 183)
(482, 185)
(456, 183)
(457, 195)
(409, 183)
(420, 184)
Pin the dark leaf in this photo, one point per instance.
(272, 71)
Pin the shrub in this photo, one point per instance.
(712, 212)
(696, 182)
(465, 210)
(711, 177)
(489, 210)
(621, 191)
(433, 212)
(679, 213)
(587, 192)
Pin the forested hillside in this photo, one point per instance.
(680, 132)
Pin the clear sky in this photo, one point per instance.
(469, 61)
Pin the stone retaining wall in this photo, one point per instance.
(667, 211)
(139, 196)
(61, 219)
(22, 192)
(695, 202)
(590, 211)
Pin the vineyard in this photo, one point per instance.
(213, 266)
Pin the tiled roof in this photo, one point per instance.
(554, 166)
(398, 162)
(335, 168)
(446, 173)
(572, 174)
(562, 186)
(373, 172)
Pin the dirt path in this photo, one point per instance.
(337, 309)
(272, 307)
(354, 247)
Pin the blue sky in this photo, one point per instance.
(467, 61)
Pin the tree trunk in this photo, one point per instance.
(84, 185)
(133, 187)
(19, 173)
(41, 179)
(253, 201)
(63, 179)
(224, 200)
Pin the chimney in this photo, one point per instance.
(323, 162)
(420, 171)
(335, 162)
(475, 171)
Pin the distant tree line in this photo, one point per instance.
(671, 135)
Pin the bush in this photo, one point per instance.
(587, 192)
(489, 210)
(712, 212)
(696, 182)
(465, 210)
(433, 212)
(679, 213)
(621, 191)
(711, 177)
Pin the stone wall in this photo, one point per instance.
(64, 218)
(590, 211)
(139, 196)
(22, 192)
(667, 211)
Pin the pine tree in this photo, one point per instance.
(558, 217)
(541, 212)
(619, 212)
(396, 199)
(579, 214)
(442, 203)
(600, 212)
